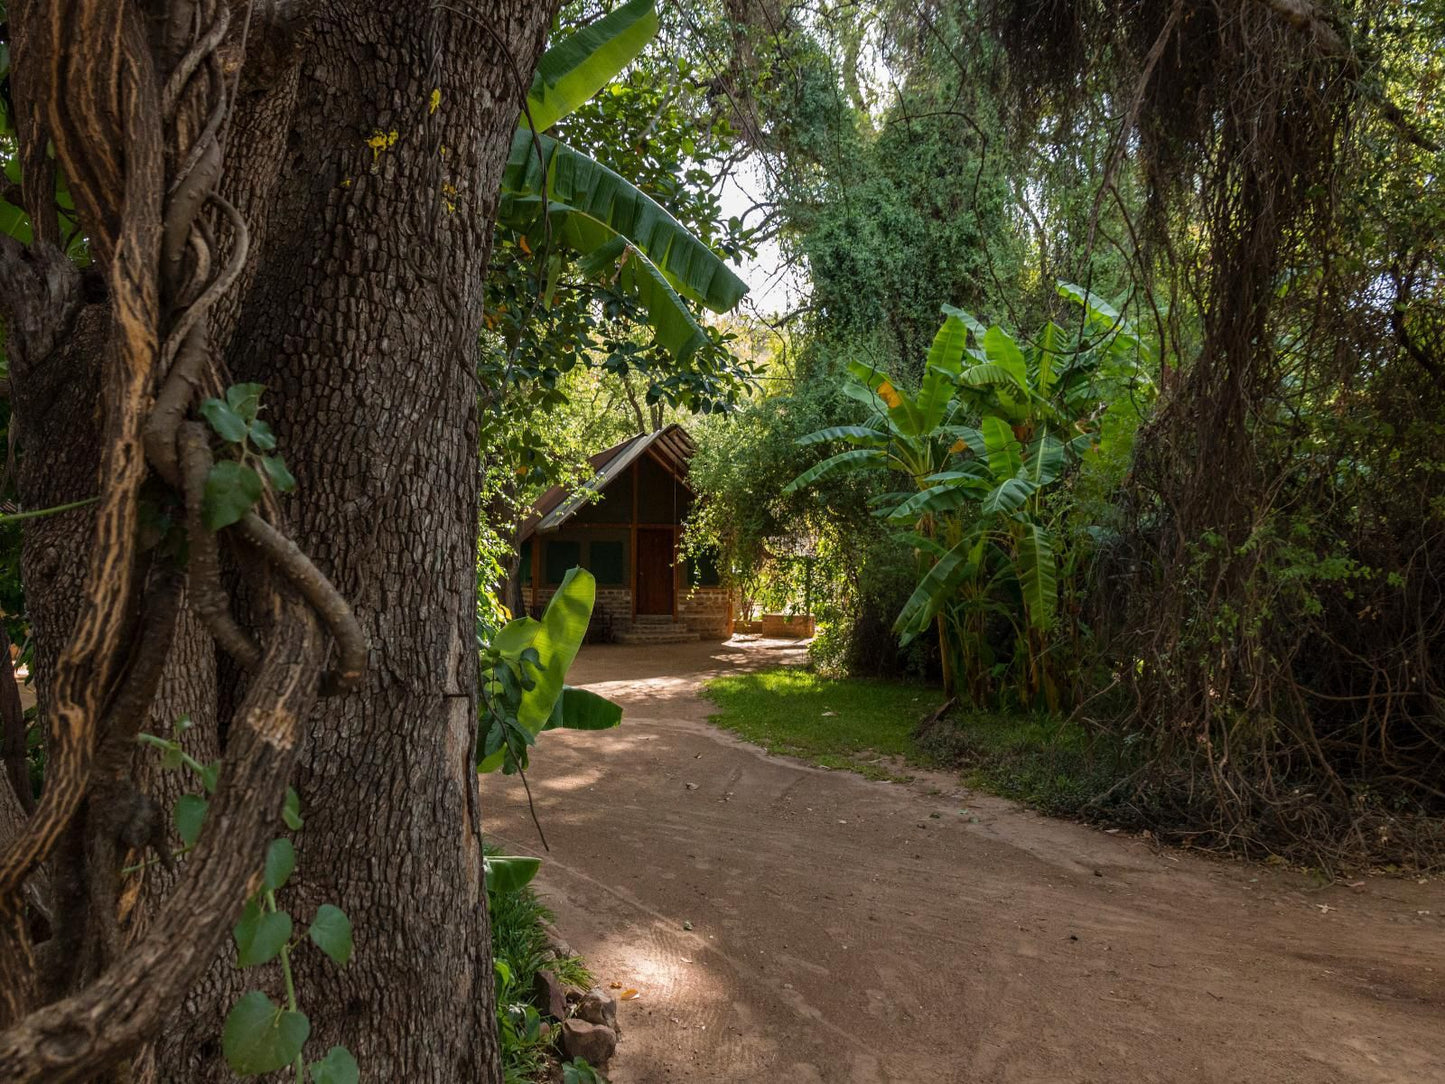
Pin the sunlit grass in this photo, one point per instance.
(871, 727)
(832, 723)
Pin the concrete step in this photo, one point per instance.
(663, 634)
(653, 619)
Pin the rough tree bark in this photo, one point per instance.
(362, 322)
(364, 151)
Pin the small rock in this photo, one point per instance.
(690, 786)
(556, 941)
(573, 994)
(598, 1007)
(544, 1029)
(551, 994)
(594, 1042)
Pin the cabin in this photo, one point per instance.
(624, 526)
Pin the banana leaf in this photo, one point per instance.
(581, 64)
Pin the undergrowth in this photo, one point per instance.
(519, 950)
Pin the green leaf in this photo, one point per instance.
(855, 434)
(291, 811)
(969, 320)
(1099, 311)
(1003, 351)
(1009, 496)
(245, 400)
(189, 813)
(582, 709)
(338, 1067)
(596, 212)
(261, 1037)
(228, 425)
(231, 490)
(508, 873)
(280, 861)
(854, 457)
(972, 439)
(331, 932)
(260, 935)
(1044, 460)
(277, 471)
(946, 351)
(946, 497)
(261, 436)
(564, 624)
(935, 589)
(1038, 577)
(515, 637)
(991, 374)
(1002, 447)
(581, 64)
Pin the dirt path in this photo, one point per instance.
(850, 931)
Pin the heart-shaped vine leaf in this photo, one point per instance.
(331, 930)
(260, 935)
(338, 1067)
(261, 1037)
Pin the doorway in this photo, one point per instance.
(656, 575)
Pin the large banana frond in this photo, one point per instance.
(858, 456)
(588, 189)
(857, 434)
(1044, 458)
(1003, 452)
(606, 219)
(581, 64)
(1009, 496)
(937, 588)
(947, 497)
(1038, 575)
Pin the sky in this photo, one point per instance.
(772, 288)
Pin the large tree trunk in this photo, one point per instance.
(365, 152)
(362, 322)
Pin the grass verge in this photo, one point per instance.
(845, 723)
(855, 724)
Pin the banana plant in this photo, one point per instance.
(993, 426)
(553, 194)
(524, 692)
(524, 670)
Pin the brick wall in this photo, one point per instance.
(779, 625)
(707, 611)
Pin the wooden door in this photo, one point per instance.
(655, 573)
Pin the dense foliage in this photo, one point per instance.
(1246, 596)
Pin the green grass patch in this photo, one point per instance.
(843, 723)
(1045, 762)
(848, 723)
(519, 951)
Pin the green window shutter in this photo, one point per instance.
(607, 562)
(562, 557)
(525, 564)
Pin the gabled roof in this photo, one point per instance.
(672, 447)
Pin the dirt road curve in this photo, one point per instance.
(842, 932)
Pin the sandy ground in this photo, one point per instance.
(844, 930)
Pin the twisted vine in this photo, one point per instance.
(136, 113)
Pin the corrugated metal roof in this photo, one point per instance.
(555, 507)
